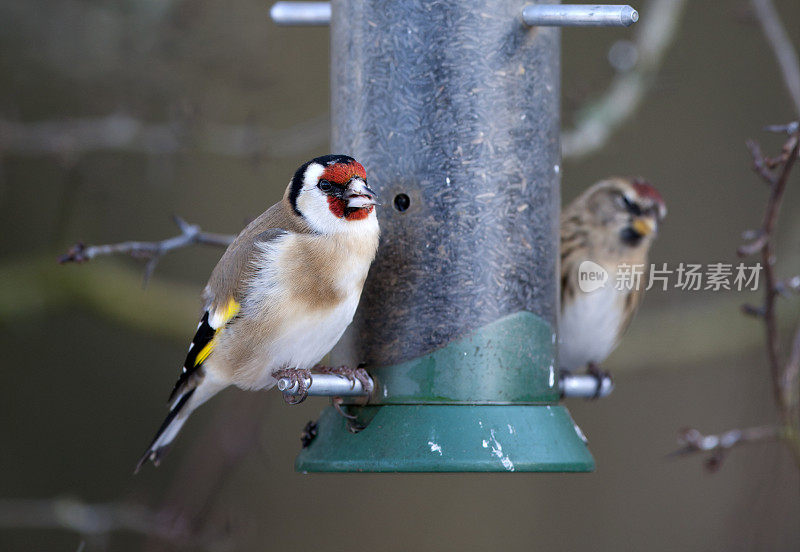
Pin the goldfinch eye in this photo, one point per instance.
(325, 186)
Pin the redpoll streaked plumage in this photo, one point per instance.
(611, 224)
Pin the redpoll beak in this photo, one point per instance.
(644, 226)
(359, 195)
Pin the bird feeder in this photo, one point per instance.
(453, 108)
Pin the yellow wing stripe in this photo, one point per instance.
(221, 318)
(231, 309)
(205, 351)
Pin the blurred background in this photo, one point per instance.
(117, 114)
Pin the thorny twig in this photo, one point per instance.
(717, 446)
(784, 162)
(784, 375)
(152, 251)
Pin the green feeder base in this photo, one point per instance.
(449, 438)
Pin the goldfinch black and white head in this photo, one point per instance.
(331, 193)
(283, 292)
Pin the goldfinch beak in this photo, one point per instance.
(644, 226)
(359, 195)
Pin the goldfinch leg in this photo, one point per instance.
(599, 375)
(352, 374)
(299, 378)
(337, 404)
(354, 426)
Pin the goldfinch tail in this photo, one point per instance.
(178, 414)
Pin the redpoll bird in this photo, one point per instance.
(283, 292)
(609, 227)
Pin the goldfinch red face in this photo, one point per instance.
(331, 193)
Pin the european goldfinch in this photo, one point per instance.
(611, 224)
(283, 292)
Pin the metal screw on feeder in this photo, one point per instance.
(544, 15)
(457, 323)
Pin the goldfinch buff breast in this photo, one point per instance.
(283, 292)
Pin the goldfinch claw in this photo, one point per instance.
(299, 378)
(352, 374)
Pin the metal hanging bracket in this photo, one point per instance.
(301, 13)
(544, 15)
(579, 15)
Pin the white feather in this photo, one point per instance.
(589, 327)
(209, 386)
(305, 336)
(307, 339)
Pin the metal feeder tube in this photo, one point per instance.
(453, 108)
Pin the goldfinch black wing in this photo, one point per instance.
(209, 328)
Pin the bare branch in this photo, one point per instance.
(777, 187)
(754, 246)
(93, 520)
(654, 34)
(152, 251)
(122, 131)
(789, 129)
(786, 392)
(790, 284)
(692, 441)
(781, 46)
(760, 166)
(752, 310)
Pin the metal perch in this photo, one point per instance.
(585, 386)
(333, 385)
(325, 385)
